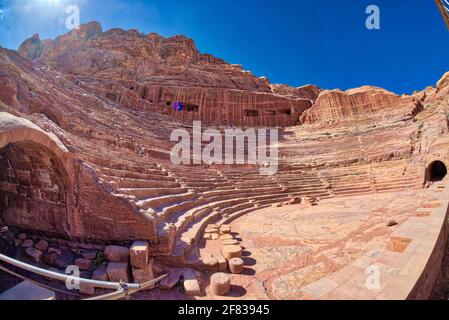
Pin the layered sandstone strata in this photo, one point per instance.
(107, 97)
(151, 73)
(336, 105)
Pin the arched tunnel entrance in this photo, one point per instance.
(33, 188)
(436, 171)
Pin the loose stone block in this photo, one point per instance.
(22, 236)
(207, 236)
(392, 223)
(220, 284)
(230, 252)
(230, 242)
(191, 284)
(139, 254)
(27, 243)
(225, 229)
(34, 254)
(206, 263)
(144, 275)
(54, 250)
(90, 255)
(41, 245)
(83, 264)
(236, 265)
(222, 263)
(214, 236)
(226, 237)
(100, 274)
(118, 271)
(87, 290)
(212, 231)
(116, 254)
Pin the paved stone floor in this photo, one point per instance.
(289, 247)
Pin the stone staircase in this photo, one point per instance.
(184, 200)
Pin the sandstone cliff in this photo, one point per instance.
(336, 105)
(107, 97)
(150, 73)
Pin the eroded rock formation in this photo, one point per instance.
(336, 105)
(151, 73)
(108, 96)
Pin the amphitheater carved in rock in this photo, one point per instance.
(86, 177)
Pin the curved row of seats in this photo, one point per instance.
(188, 198)
(184, 199)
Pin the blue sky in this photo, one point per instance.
(294, 42)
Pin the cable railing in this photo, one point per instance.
(122, 289)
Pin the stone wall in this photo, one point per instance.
(43, 189)
(33, 188)
(100, 216)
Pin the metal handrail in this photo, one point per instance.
(122, 289)
(64, 277)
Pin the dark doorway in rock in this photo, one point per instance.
(437, 171)
(251, 113)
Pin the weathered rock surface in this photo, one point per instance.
(336, 105)
(149, 72)
(85, 125)
(34, 253)
(171, 280)
(139, 254)
(236, 265)
(231, 251)
(191, 284)
(86, 289)
(143, 275)
(116, 254)
(90, 255)
(42, 245)
(83, 264)
(27, 243)
(118, 271)
(100, 273)
(220, 284)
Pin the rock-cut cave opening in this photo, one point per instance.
(32, 188)
(437, 171)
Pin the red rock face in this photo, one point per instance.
(336, 105)
(27, 174)
(149, 72)
(107, 98)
